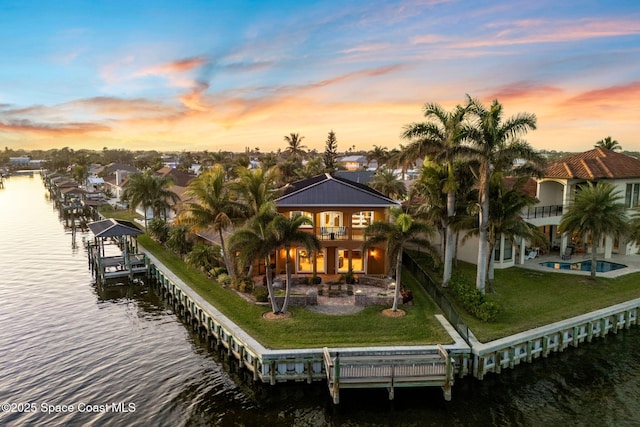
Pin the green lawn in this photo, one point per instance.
(532, 298)
(123, 214)
(307, 329)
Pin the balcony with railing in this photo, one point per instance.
(333, 233)
(542, 211)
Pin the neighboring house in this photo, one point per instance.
(340, 210)
(555, 191)
(562, 179)
(352, 163)
(180, 182)
(114, 176)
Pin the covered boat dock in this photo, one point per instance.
(126, 261)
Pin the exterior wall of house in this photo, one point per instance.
(340, 231)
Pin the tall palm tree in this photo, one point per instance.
(295, 148)
(386, 182)
(506, 205)
(148, 190)
(164, 197)
(496, 144)
(213, 207)
(429, 200)
(596, 209)
(255, 187)
(609, 144)
(403, 231)
(256, 240)
(287, 232)
(440, 139)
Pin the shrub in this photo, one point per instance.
(223, 279)
(474, 301)
(216, 271)
(260, 293)
(243, 284)
(159, 230)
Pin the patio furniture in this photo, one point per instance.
(531, 255)
(567, 253)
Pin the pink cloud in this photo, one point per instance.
(28, 126)
(539, 31)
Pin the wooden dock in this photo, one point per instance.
(128, 263)
(389, 371)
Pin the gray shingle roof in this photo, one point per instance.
(113, 228)
(327, 190)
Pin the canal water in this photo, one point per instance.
(72, 354)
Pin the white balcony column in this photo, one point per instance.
(608, 246)
(523, 246)
(564, 241)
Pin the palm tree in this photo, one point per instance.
(178, 240)
(213, 207)
(506, 205)
(440, 139)
(255, 187)
(256, 240)
(386, 182)
(379, 154)
(595, 209)
(289, 170)
(164, 198)
(496, 144)
(148, 190)
(295, 148)
(204, 257)
(429, 200)
(609, 144)
(287, 232)
(398, 234)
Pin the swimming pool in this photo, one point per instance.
(601, 266)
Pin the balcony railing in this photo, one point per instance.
(542, 211)
(333, 233)
(337, 233)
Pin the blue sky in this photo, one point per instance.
(195, 75)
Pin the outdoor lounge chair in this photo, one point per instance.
(567, 253)
(531, 255)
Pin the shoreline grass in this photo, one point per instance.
(531, 298)
(307, 329)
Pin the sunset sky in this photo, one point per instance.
(224, 75)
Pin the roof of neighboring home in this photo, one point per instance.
(328, 190)
(180, 178)
(598, 163)
(354, 158)
(71, 190)
(113, 228)
(112, 167)
(529, 188)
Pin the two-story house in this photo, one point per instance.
(561, 181)
(555, 192)
(340, 210)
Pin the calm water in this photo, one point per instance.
(65, 342)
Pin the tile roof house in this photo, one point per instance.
(555, 191)
(563, 178)
(340, 210)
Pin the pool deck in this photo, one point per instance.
(631, 261)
